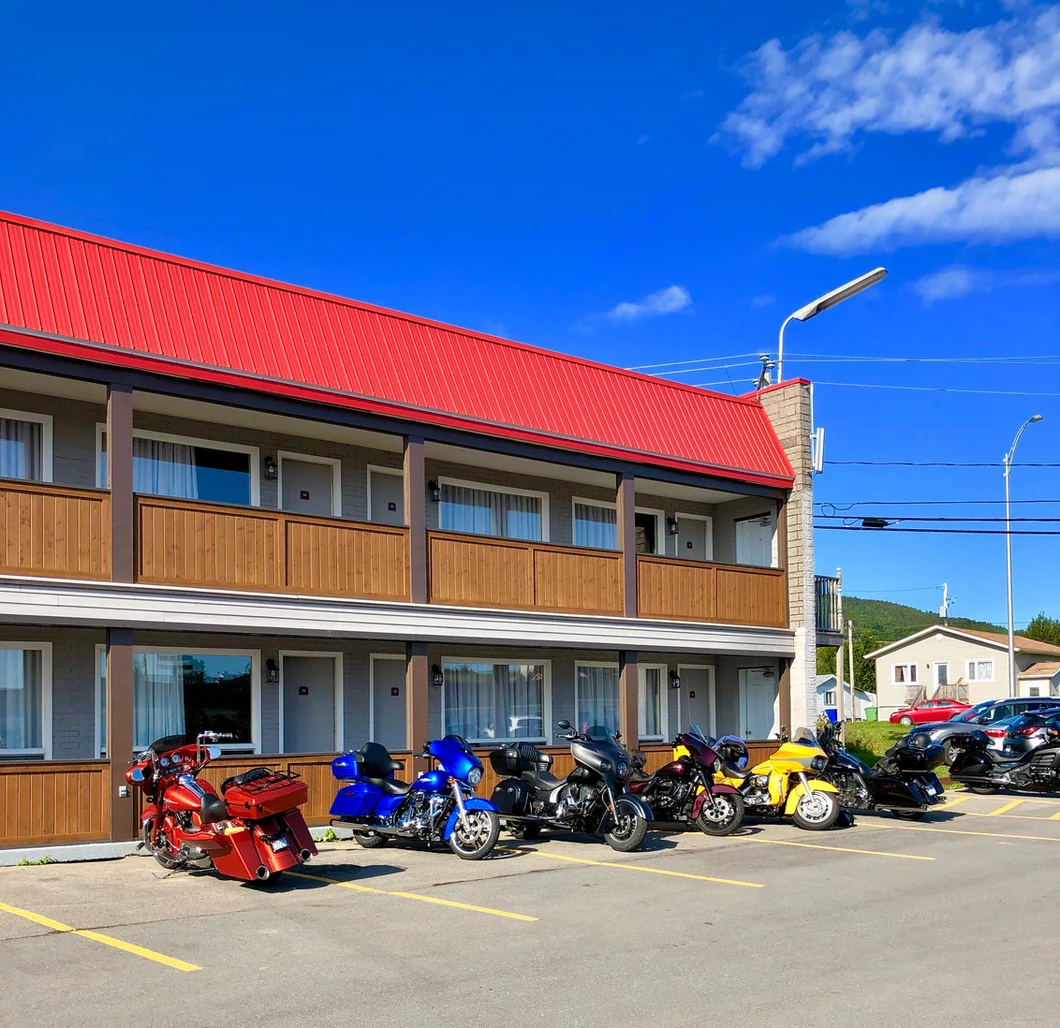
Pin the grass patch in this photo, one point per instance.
(30, 863)
(328, 836)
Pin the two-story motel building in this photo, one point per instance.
(232, 503)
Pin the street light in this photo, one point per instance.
(822, 303)
(1008, 553)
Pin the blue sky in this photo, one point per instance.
(631, 184)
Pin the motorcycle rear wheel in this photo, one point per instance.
(984, 790)
(370, 840)
(479, 837)
(627, 834)
(524, 831)
(170, 863)
(723, 816)
(909, 815)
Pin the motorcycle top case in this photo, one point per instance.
(263, 793)
(917, 758)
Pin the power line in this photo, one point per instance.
(904, 517)
(697, 360)
(936, 531)
(916, 503)
(936, 464)
(936, 389)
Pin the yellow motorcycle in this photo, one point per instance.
(785, 784)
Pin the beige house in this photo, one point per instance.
(960, 662)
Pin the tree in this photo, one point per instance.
(864, 670)
(1044, 629)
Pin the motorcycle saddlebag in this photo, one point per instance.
(263, 793)
(512, 796)
(523, 756)
(356, 801)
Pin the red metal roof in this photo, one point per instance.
(150, 309)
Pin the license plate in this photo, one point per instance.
(278, 844)
(932, 790)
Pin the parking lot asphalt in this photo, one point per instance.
(949, 921)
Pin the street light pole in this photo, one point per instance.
(1008, 553)
(822, 303)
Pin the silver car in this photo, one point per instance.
(984, 716)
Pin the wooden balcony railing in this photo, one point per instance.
(686, 590)
(50, 530)
(827, 593)
(475, 571)
(46, 801)
(183, 542)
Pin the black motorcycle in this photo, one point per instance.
(902, 781)
(985, 770)
(594, 798)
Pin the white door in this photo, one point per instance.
(307, 487)
(754, 541)
(388, 497)
(693, 538)
(942, 672)
(697, 691)
(308, 704)
(388, 702)
(758, 691)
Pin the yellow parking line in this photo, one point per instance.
(1012, 817)
(646, 870)
(1055, 817)
(413, 896)
(107, 940)
(821, 846)
(1007, 806)
(961, 831)
(959, 798)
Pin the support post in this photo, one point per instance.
(120, 483)
(839, 704)
(417, 697)
(415, 482)
(627, 541)
(784, 690)
(120, 731)
(628, 693)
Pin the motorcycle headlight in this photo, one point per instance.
(621, 768)
(474, 776)
(819, 763)
(716, 766)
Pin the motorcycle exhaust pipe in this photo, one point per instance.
(305, 856)
(262, 874)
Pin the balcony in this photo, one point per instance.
(828, 609)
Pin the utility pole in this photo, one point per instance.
(850, 658)
(944, 610)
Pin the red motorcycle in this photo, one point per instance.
(253, 830)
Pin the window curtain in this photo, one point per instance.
(483, 512)
(494, 701)
(158, 696)
(649, 702)
(595, 527)
(21, 706)
(21, 449)
(597, 697)
(164, 469)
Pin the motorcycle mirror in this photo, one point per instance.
(565, 725)
(136, 774)
(213, 752)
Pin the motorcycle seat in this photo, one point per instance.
(213, 809)
(732, 771)
(544, 781)
(390, 786)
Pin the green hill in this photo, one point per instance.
(892, 621)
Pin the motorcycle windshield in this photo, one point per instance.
(454, 755)
(696, 746)
(171, 742)
(804, 737)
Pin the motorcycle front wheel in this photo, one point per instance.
(164, 856)
(627, 834)
(816, 810)
(474, 840)
(721, 814)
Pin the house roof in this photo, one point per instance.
(68, 292)
(1043, 669)
(996, 640)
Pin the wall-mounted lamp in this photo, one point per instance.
(435, 490)
(437, 678)
(672, 526)
(270, 468)
(675, 680)
(272, 671)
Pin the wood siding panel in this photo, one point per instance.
(468, 571)
(54, 802)
(183, 542)
(581, 583)
(694, 591)
(50, 530)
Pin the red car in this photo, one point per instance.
(928, 711)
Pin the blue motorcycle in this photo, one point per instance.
(440, 806)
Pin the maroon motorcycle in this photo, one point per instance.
(684, 791)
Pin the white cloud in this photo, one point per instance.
(665, 301)
(1000, 209)
(958, 280)
(764, 300)
(827, 90)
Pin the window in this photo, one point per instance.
(980, 671)
(190, 469)
(905, 674)
(25, 699)
(511, 514)
(829, 698)
(651, 701)
(489, 702)
(25, 446)
(596, 698)
(595, 525)
(1034, 691)
(177, 693)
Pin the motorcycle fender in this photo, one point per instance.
(633, 805)
(715, 790)
(472, 804)
(149, 812)
(816, 785)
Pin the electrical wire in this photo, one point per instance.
(937, 464)
(937, 531)
(916, 503)
(904, 517)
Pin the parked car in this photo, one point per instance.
(928, 712)
(986, 716)
(1027, 732)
